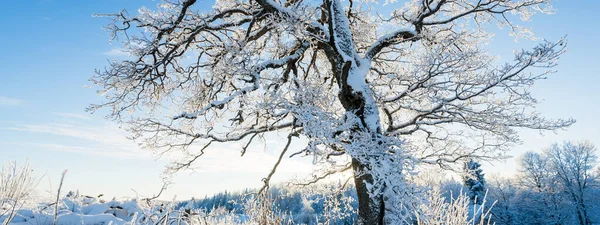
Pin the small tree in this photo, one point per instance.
(535, 172)
(572, 164)
(372, 94)
(542, 191)
(596, 178)
(474, 182)
(503, 192)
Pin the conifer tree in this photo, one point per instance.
(474, 181)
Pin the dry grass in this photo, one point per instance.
(16, 187)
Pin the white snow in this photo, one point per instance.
(83, 210)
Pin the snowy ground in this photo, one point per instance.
(92, 211)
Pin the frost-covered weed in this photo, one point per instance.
(16, 187)
(436, 210)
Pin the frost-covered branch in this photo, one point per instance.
(375, 95)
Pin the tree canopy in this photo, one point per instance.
(372, 93)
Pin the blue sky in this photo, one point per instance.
(51, 48)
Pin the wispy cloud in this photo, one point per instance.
(100, 140)
(230, 160)
(107, 140)
(6, 101)
(73, 116)
(92, 151)
(118, 52)
(103, 133)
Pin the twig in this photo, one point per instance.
(62, 178)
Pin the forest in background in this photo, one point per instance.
(560, 185)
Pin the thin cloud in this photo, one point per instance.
(73, 116)
(6, 101)
(98, 134)
(118, 52)
(107, 140)
(101, 140)
(93, 151)
(229, 160)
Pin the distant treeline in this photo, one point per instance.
(559, 185)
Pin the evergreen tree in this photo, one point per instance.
(474, 181)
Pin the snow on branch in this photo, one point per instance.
(390, 39)
(320, 70)
(270, 64)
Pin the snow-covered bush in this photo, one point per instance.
(16, 187)
(437, 210)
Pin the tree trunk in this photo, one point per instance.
(357, 99)
(371, 209)
(583, 216)
(580, 207)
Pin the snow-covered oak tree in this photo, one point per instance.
(368, 92)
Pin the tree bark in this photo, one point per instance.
(583, 216)
(356, 100)
(371, 209)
